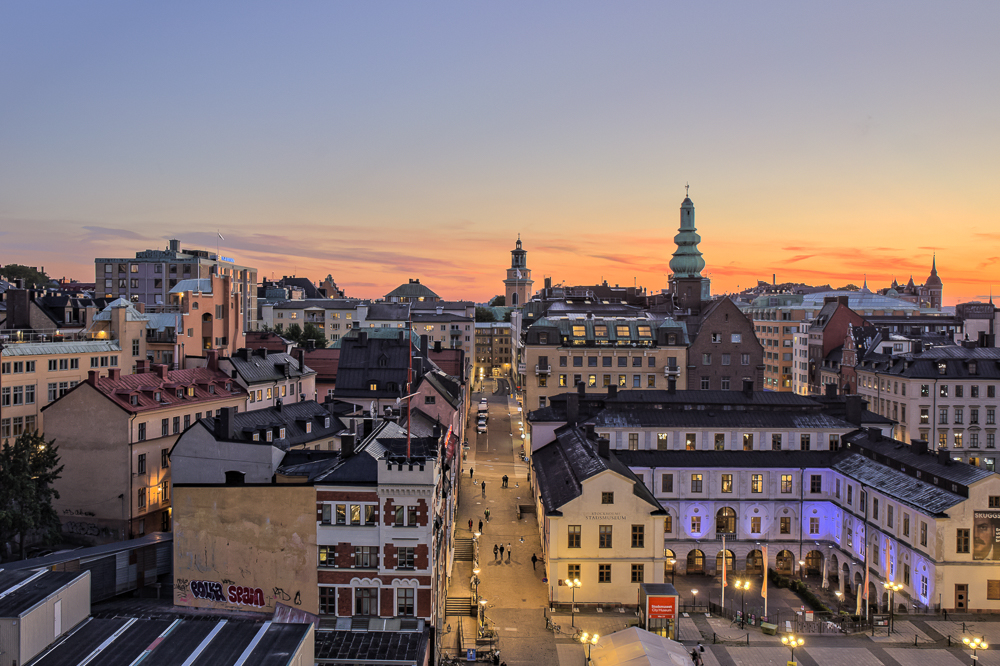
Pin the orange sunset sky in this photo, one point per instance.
(381, 142)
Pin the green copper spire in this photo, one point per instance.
(687, 261)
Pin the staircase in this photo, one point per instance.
(463, 550)
(460, 606)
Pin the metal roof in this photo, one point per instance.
(203, 285)
(697, 418)
(49, 348)
(22, 590)
(902, 487)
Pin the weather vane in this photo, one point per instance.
(687, 186)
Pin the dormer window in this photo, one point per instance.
(269, 436)
(180, 393)
(190, 392)
(281, 433)
(211, 388)
(942, 368)
(256, 437)
(972, 368)
(229, 386)
(309, 427)
(156, 396)
(133, 400)
(326, 422)
(372, 386)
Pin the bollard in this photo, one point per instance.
(714, 638)
(949, 640)
(914, 640)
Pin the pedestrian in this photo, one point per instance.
(496, 658)
(496, 551)
(501, 552)
(470, 472)
(487, 512)
(480, 527)
(504, 480)
(484, 489)
(534, 561)
(509, 551)
(470, 524)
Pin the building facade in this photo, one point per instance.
(494, 350)
(518, 284)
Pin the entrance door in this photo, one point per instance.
(961, 596)
(57, 614)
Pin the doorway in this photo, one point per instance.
(961, 596)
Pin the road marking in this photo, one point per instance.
(510, 628)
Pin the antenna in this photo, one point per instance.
(687, 188)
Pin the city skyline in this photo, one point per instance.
(380, 146)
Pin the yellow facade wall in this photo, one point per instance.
(245, 547)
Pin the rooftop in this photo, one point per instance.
(20, 591)
(47, 348)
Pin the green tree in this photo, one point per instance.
(32, 277)
(314, 333)
(28, 468)
(498, 301)
(484, 314)
(294, 333)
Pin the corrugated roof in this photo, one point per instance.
(253, 368)
(697, 418)
(292, 417)
(48, 348)
(917, 494)
(131, 314)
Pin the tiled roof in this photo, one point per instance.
(928, 363)
(292, 417)
(917, 494)
(209, 386)
(388, 312)
(886, 449)
(370, 647)
(46, 348)
(564, 464)
(411, 290)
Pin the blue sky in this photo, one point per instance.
(381, 141)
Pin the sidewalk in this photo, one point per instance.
(515, 595)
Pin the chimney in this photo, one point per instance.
(671, 385)
(174, 246)
(140, 366)
(748, 388)
(581, 388)
(572, 409)
(347, 445)
(604, 448)
(310, 344)
(944, 456)
(589, 429)
(831, 390)
(918, 346)
(224, 425)
(439, 309)
(437, 346)
(161, 370)
(918, 446)
(300, 356)
(424, 346)
(114, 374)
(368, 424)
(612, 391)
(854, 407)
(213, 359)
(92, 377)
(260, 351)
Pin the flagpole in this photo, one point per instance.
(763, 585)
(723, 572)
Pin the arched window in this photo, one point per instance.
(725, 521)
(513, 299)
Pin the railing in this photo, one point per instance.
(547, 370)
(671, 370)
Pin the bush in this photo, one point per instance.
(799, 588)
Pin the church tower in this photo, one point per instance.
(518, 282)
(688, 287)
(933, 288)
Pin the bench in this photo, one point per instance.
(769, 629)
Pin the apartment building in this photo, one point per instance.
(599, 352)
(494, 350)
(944, 395)
(151, 276)
(212, 317)
(115, 433)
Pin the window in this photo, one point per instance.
(943, 416)
(776, 441)
(667, 483)
(906, 524)
(633, 441)
(638, 536)
(786, 483)
(727, 483)
(736, 338)
(757, 483)
(816, 483)
(745, 359)
(404, 557)
(637, 573)
(164, 491)
(805, 440)
(720, 441)
(400, 516)
(572, 572)
(603, 573)
(993, 589)
(668, 524)
(140, 466)
(696, 483)
(142, 432)
(748, 441)
(814, 526)
(785, 525)
(991, 416)
(706, 359)
(755, 525)
(604, 536)
(141, 498)
(923, 533)
(562, 380)
(962, 540)
(943, 390)
(925, 415)
(888, 516)
(923, 586)
(695, 524)
(607, 498)
(925, 390)
(574, 536)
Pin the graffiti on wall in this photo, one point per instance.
(234, 594)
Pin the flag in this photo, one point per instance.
(867, 572)
(518, 273)
(220, 235)
(763, 586)
(826, 581)
(724, 567)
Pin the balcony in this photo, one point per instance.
(671, 371)
(522, 368)
(543, 370)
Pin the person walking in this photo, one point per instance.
(501, 553)
(470, 472)
(496, 551)
(534, 561)
(505, 481)
(509, 551)
(484, 489)
(480, 527)
(470, 524)
(487, 513)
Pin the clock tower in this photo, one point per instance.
(518, 282)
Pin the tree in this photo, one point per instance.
(498, 301)
(294, 333)
(28, 468)
(484, 314)
(314, 333)
(32, 277)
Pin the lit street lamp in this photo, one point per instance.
(574, 583)
(792, 642)
(802, 569)
(673, 569)
(475, 541)
(892, 588)
(743, 586)
(694, 594)
(475, 581)
(840, 598)
(482, 615)
(975, 644)
(589, 640)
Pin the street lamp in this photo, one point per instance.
(802, 569)
(475, 541)
(840, 598)
(975, 644)
(694, 594)
(792, 642)
(482, 615)
(743, 586)
(892, 589)
(673, 569)
(475, 580)
(574, 583)
(589, 640)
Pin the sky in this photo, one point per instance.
(382, 141)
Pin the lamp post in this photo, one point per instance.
(892, 589)
(694, 595)
(574, 583)
(589, 640)
(975, 644)
(482, 615)
(840, 598)
(673, 569)
(743, 586)
(475, 581)
(802, 569)
(475, 542)
(792, 642)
